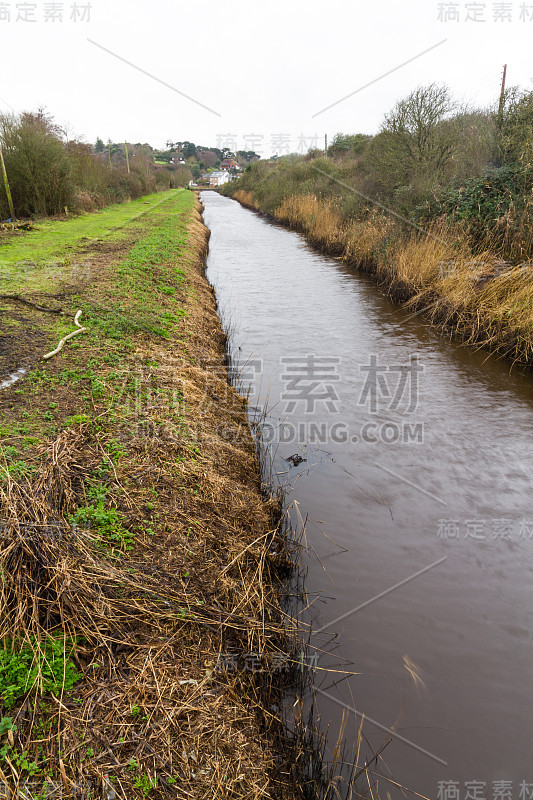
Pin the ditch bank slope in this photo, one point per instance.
(138, 553)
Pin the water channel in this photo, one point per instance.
(411, 458)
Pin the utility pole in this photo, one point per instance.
(326, 144)
(8, 190)
(127, 157)
(502, 93)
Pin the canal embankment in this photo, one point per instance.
(465, 290)
(143, 560)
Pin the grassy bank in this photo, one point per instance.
(461, 283)
(140, 561)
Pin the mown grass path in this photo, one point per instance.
(31, 259)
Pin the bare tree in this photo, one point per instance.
(417, 123)
(515, 125)
(407, 160)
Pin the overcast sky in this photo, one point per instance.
(265, 68)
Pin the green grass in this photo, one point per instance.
(145, 293)
(12, 466)
(30, 260)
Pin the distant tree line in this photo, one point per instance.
(49, 171)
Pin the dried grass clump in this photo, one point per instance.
(363, 240)
(319, 219)
(245, 198)
(476, 295)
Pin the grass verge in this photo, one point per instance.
(137, 551)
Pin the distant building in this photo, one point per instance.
(228, 163)
(219, 178)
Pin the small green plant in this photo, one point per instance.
(106, 521)
(97, 387)
(16, 470)
(6, 724)
(10, 452)
(77, 419)
(27, 667)
(21, 762)
(116, 450)
(145, 783)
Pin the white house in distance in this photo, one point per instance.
(219, 178)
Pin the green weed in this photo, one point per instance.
(24, 668)
(106, 521)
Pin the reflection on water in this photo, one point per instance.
(413, 464)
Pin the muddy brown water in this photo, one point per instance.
(416, 486)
